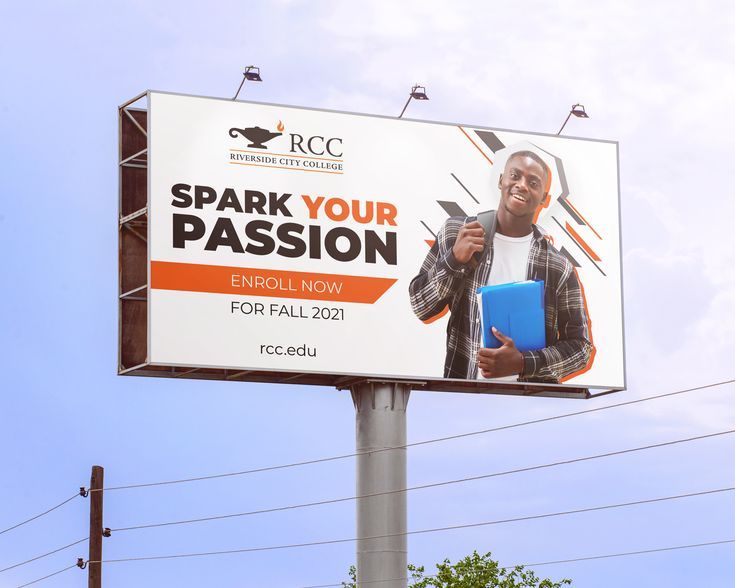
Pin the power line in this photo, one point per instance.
(47, 577)
(38, 516)
(43, 555)
(548, 563)
(423, 486)
(424, 531)
(625, 553)
(414, 444)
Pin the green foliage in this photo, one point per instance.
(353, 578)
(479, 571)
(474, 571)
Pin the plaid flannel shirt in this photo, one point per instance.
(443, 281)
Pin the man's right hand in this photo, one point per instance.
(470, 240)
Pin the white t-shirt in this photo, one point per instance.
(510, 259)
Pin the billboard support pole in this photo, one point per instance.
(380, 423)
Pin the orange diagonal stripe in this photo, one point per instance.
(243, 281)
(476, 145)
(582, 243)
(574, 208)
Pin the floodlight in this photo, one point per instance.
(417, 93)
(251, 73)
(576, 110)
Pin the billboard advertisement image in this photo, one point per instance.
(291, 240)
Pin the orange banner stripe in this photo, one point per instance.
(242, 281)
(582, 243)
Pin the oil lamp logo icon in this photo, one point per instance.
(256, 135)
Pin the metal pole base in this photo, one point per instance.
(380, 410)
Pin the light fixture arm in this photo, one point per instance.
(239, 87)
(405, 106)
(565, 122)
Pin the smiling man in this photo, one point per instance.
(505, 247)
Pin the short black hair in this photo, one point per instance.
(535, 157)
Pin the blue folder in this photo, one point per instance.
(517, 311)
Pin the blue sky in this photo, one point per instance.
(657, 76)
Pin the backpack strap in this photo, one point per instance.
(487, 220)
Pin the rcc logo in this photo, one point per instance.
(316, 145)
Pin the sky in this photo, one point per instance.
(658, 77)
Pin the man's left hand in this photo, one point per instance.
(504, 361)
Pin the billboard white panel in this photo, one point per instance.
(286, 239)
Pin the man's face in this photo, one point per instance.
(522, 186)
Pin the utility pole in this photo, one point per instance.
(94, 568)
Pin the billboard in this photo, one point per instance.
(331, 246)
